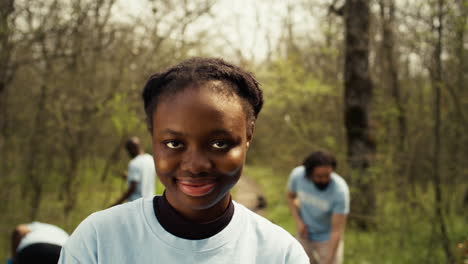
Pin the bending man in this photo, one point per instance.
(37, 243)
(319, 202)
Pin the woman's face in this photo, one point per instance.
(200, 140)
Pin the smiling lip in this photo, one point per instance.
(196, 188)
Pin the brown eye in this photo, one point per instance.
(174, 144)
(220, 145)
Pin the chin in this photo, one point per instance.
(202, 202)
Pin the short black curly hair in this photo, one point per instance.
(318, 158)
(198, 71)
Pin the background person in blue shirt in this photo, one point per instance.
(319, 202)
(141, 176)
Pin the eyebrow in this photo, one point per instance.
(221, 132)
(173, 132)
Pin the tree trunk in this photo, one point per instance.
(387, 11)
(391, 81)
(358, 96)
(460, 87)
(35, 159)
(437, 82)
(6, 9)
(70, 189)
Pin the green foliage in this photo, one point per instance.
(296, 116)
(123, 119)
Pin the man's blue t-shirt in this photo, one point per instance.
(317, 206)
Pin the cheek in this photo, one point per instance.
(164, 165)
(164, 162)
(233, 161)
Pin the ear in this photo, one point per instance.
(250, 132)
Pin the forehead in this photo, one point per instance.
(323, 170)
(198, 105)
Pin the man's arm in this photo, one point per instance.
(337, 231)
(131, 189)
(294, 208)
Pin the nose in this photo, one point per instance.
(196, 161)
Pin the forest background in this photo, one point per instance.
(380, 83)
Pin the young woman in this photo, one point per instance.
(201, 114)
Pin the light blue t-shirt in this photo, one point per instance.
(317, 206)
(131, 233)
(141, 170)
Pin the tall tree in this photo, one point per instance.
(357, 98)
(457, 23)
(437, 83)
(387, 13)
(6, 10)
(390, 82)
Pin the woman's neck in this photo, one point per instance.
(181, 226)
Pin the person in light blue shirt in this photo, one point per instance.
(318, 199)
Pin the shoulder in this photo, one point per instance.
(341, 188)
(296, 176)
(133, 162)
(340, 182)
(271, 241)
(267, 233)
(297, 172)
(119, 214)
(142, 159)
(107, 225)
(110, 219)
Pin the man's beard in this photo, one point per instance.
(322, 186)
